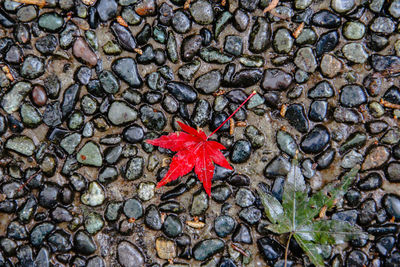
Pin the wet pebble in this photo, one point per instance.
(51, 22)
(241, 151)
(172, 226)
(82, 52)
(94, 196)
(316, 140)
(32, 67)
(207, 248)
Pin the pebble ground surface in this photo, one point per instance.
(83, 83)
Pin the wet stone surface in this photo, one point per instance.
(85, 83)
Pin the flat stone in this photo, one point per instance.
(12, 100)
(21, 144)
(83, 52)
(305, 59)
(166, 249)
(90, 155)
(126, 69)
(207, 248)
(129, 255)
(376, 157)
(121, 113)
(94, 196)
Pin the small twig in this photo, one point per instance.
(28, 181)
(187, 4)
(271, 6)
(39, 3)
(298, 30)
(287, 248)
(322, 212)
(283, 110)
(238, 249)
(389, 105)
(241, 124)
(138, 50)
(219, 92)
(121, 21)
(231, 126)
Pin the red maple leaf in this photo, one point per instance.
(194, 150)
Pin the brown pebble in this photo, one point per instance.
(82, 51)
(39, 96)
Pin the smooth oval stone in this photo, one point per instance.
(330, 66)
(283, 41)
(207, 248)
(224, 225)
(83, 243)
(126, 69)
(172, 226)
(182, 91)
(120, 113)
(286, 143)
(276, 79)
(134, 168)
(39, 233)
(296, 116)
(246, 77)
(90, 155)
(12, 100)
(241, 151)
(270, 249)
(391, 203)
(202, 12)
(250, 215)
(107, 9)
(133, 208)
(382, 25)
(94, 196)
(354, 30)
(355, 52)
(242, 234)
(190, 47)
(51, 22)
(326, 19)
(124, 36)
(209, 82)
(129, 255)
(342, 6)
(32, 67)
(39, 96)
(83, 52)
(352, 96)
(21, 144)
(316, 140)
(376, 157)
(244, 198)
(305, 59)
(260, 36)
(153, 218)
(327, 42)
(371, 182)
(393, 171)
(220, 193)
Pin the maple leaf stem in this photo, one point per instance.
(241, 105)
(287, 248)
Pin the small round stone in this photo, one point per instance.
(224, 225)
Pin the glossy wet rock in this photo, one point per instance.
(207, 248)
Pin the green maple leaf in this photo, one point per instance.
(297, 213)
